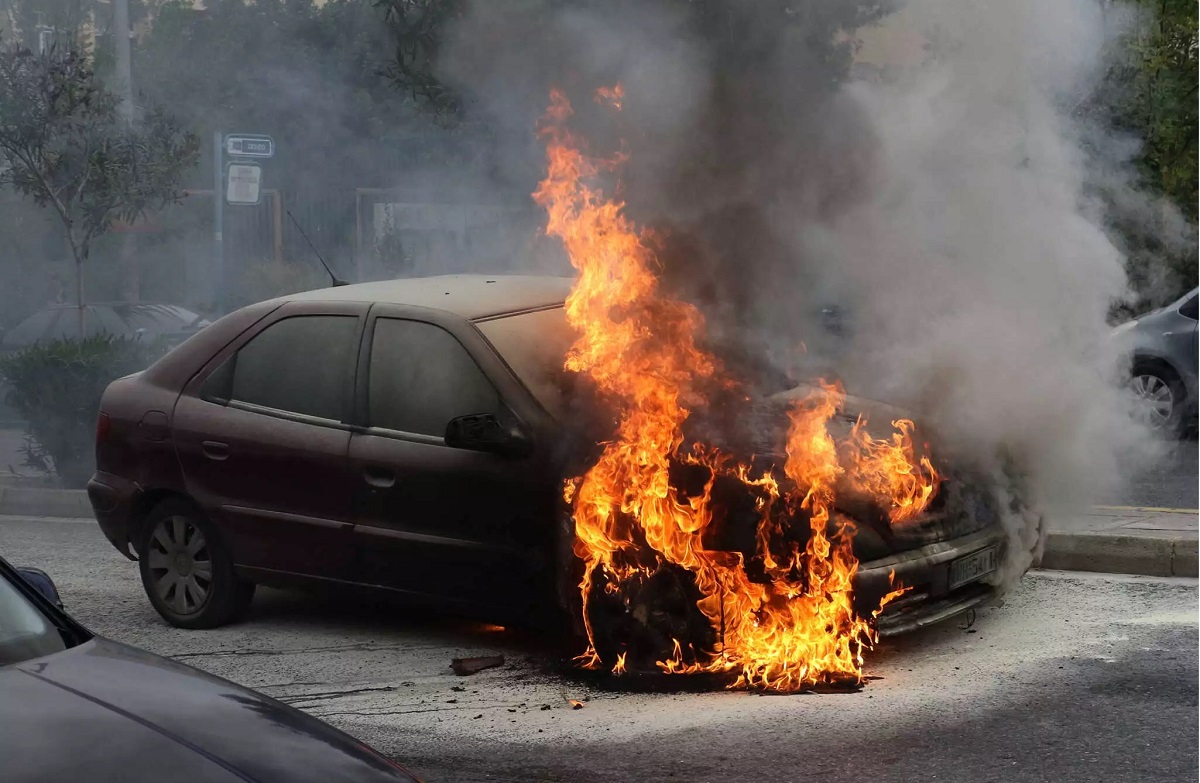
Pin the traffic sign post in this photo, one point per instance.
(249, 145)
(239, 183)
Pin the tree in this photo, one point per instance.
(64, 146)
(1148, 93)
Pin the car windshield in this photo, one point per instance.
(25, 632)
(535, 345)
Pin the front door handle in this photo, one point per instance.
(378, 476)
(214, 449)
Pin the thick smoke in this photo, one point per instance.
(977, 265)
(944, 208)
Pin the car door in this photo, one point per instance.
(262, 435)
(1187, 342)
(430, 518)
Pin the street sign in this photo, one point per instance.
(249, 145)
(243, 183)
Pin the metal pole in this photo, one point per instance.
(219, 219)
(124, 74)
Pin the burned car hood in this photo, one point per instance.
(962, 506)
(102, 710)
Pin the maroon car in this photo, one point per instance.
(407, 436)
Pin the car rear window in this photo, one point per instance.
(421, 377)
(535, 345)
(1189, 309)
(299, 365)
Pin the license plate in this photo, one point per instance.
(972, 567)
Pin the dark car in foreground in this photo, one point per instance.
(1161, 350)
(75, 706)
(408, 436)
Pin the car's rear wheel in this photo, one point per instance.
(1159, 397)
(186, 570)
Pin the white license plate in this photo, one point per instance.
(973, 566)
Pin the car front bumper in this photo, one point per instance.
(926, 573)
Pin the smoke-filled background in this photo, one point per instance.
(959, 179)
(954, 211)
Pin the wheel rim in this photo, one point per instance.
(180, 565)
(1155, 401)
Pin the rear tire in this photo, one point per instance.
(186, 570)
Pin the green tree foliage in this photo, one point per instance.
(64, 147)
(1161, 107)
(1149, 95)
(56, 386)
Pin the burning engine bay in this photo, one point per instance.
(735, 555)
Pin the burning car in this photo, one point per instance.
(414, 436)
(504, 442)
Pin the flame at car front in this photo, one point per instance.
(780, 617)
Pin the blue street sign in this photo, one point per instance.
(249, 145)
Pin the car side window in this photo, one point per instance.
(421, 377)
(299, 365)
(1189, 308)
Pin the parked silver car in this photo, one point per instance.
(1161, 347)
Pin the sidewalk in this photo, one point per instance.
(1128, 540)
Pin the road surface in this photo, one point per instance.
(1075, 678)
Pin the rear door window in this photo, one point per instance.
(1189, 308)
(298, 365)
(421, 377)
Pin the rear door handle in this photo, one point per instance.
(379, 477)
(214, 449)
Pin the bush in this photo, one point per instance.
(56, 387)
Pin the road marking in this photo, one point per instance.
(1144, 509)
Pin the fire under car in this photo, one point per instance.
(413, 437)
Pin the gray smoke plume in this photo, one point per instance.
(945, 207)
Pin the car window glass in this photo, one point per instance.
(24, 632)
(299, 364)
(421, 377)
(1188, 310)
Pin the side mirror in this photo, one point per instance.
(484, 432)
(42, 582)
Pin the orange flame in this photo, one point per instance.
(640, 350)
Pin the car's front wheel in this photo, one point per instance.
(186, 570)
(1159, 398)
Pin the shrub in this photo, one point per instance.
(56, 387)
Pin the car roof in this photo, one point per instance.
(473, 297)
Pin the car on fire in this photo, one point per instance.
(76, 706)
(412, 436)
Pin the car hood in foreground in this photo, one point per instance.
(104, 711)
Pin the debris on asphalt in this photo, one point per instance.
(465, 666)
(575, 705)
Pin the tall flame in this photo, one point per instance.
(797, 626)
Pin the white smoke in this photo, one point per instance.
(945, 206)
(977, 268)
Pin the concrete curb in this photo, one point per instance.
(1147, 553)
(1150, 553)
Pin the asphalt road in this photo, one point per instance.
(1075, 678)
